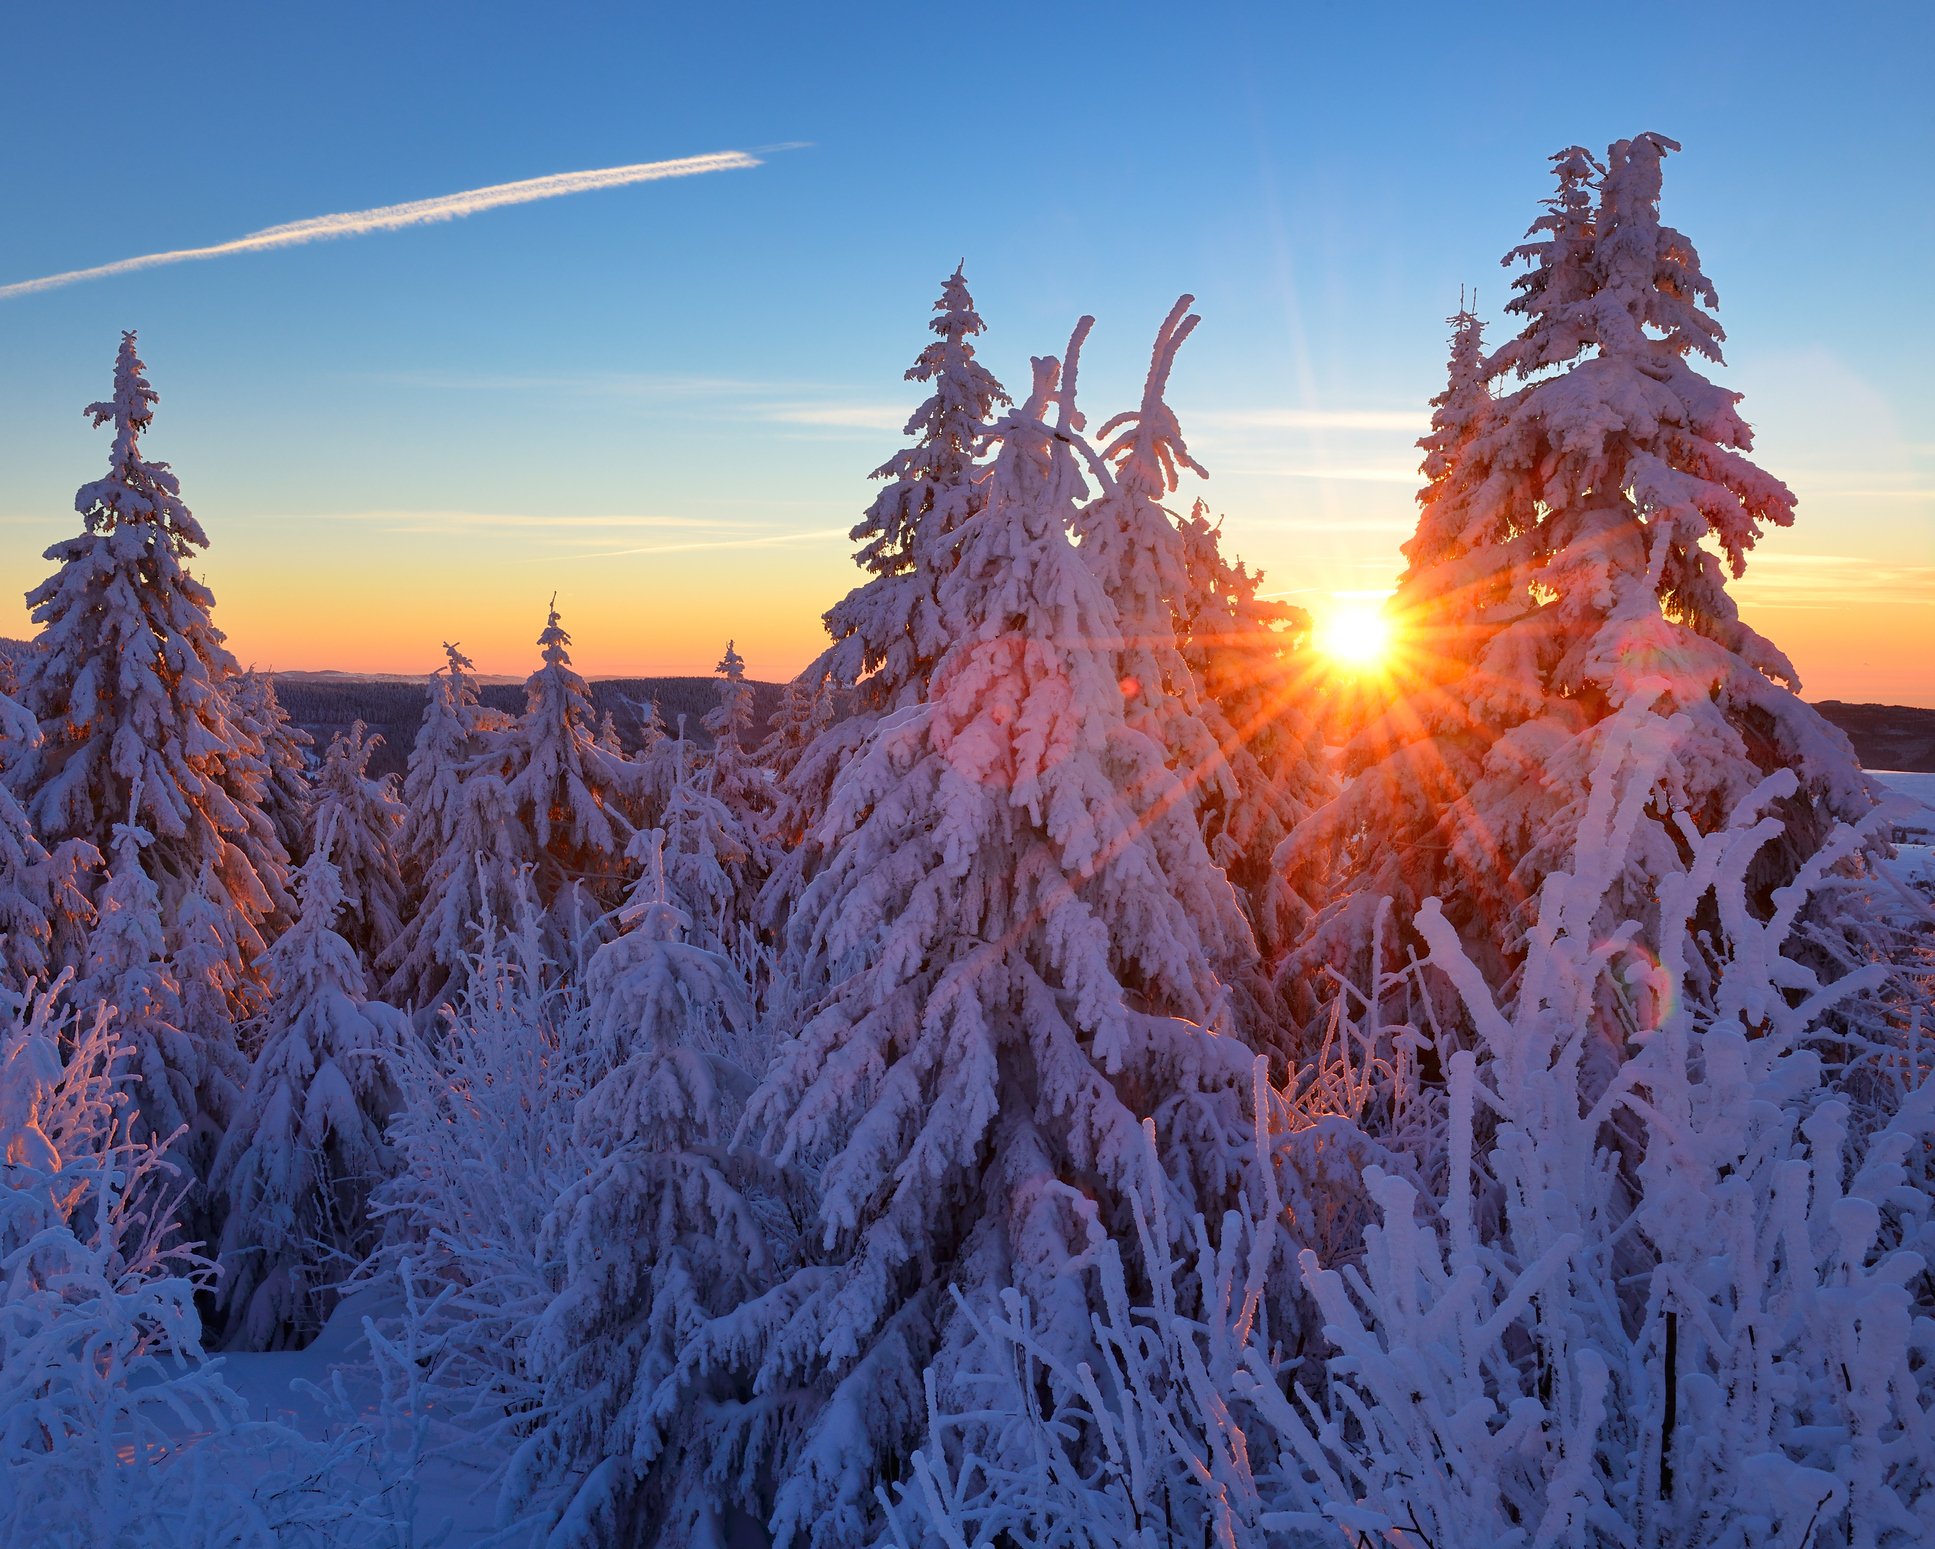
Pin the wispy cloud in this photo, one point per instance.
(1354, 524)
(889, 417)
(1361, 475)
(1832, 581)
(1412, 420)
(811, 406)
(490, 521)
(640, 384)
(393, 217)
(1869, 494)
(763, 541)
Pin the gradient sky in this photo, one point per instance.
(662, 401)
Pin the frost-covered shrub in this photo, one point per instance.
(115, 1431)
(484, 1143)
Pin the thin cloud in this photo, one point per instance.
(766, 541)
(1832, 581)
(1311, 419)
(625, 383)
(727, 396)
(1327, 524)
(443, 521)
(393, 217)
(1337, 475)
(838, 416)
(1869, 494)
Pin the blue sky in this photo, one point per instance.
(663, 400)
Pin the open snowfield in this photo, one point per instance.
(1915, 855)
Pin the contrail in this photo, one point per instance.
(391, 217)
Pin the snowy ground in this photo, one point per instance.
(1915, 855)
(458, 1492)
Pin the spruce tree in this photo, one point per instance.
(1647, 503)
(496, 809)
(207, 969)
(130, 685)
(1017, 920)
(478, 873)
(889, 631)
(740, 787)
(28, 881)
(284, 798)
(1132, 543)
(306, 1145)
(364, 821)
(706, 855)
(656, 1242)
(46, 910)
(186, 1078)
(449, 737)
(1184, 611)
(570, 798)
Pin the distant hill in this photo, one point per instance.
(1886, 736)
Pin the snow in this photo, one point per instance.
(1025, 1098)
(1914, 859)
(325, 1388)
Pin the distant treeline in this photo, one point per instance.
(1884, 736)
(323, 707)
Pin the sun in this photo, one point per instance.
(1355, 635)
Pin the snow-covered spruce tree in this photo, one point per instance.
(1366, 861)
(44, 912)
(807, 707)
(130, 684)
(1639, 465)
(1132, 543)
(306, 1145)
(1244, 651)
(448, 738)
(655, 1242)
(889, 631)
(737, 782)
(1017, 919)
(364, 821)
(186, 1080)
(284, 797)
(1174, 593)
(570, 798)
(481, 873)
(540, 805)
(205, 967)
(705, 855)
(440, 841)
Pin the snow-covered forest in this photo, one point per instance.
(1037, 1089)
